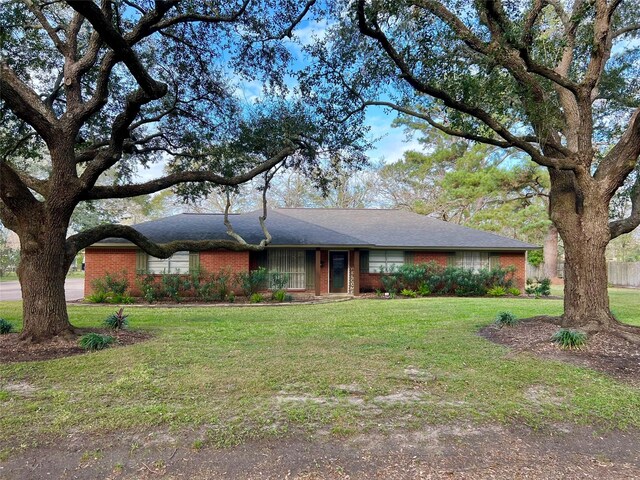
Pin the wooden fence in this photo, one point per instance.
(621, 274)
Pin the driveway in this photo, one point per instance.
(73, 289)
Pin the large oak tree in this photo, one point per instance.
(99, 90)
(556, 79)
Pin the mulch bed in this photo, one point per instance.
(603, 352)
(12, 349)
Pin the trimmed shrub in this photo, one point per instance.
(149, 287)
(506, 319)
(95, 341)
(435, 279)
(569, 339)
(117, 320)
(5, 326)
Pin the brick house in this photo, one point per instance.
(323, 251)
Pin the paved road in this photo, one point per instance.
(73, 287)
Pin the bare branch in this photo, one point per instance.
(194, 17)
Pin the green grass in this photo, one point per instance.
(250, 372)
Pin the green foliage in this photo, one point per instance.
(174, 285)
(149, 287)
(5, 326)
(497, 291)
(256, 298)
(117, 320)
(111, 288)
(95, 341)
(435, 279)
(116, 283)
(279, 295)
(423, 290)
(408, 293)
(514, 291)
(506, 319)
(535, 257)
(252, 281)
(279, 281)
(538, 287)
(567, 338)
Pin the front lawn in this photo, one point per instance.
(236, 373)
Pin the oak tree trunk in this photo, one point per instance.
(551, 253)
(42, 273)
(581, 215)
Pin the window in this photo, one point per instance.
(290, 262)
(176, 263)
(472, 260)
(385, 260)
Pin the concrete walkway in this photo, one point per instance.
(73, 288)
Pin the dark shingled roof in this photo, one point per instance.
(330, 227)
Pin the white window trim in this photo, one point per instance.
(397, 262)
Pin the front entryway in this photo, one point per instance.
(338, 266)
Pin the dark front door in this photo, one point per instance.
(338, 263)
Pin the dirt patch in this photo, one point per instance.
(456, 451)
(603, 352)
(12, 349)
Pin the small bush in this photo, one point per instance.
(117, 320)
(279, 281)
(5, 326)
(279, 295)
(409, 293)
(538, 287)
(506, 319)
(251, 282)
(97, 297)
(514, 291)
(174, 286)
(497, 291)
(423, 290)
(95, 341)
(256, 298)
(231, 297)
(567, 338)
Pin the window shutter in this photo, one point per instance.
(310, 269)
(409, 258)
(194, 261)
(364, 261)
(142, 262)
(452, 259)
(494, 260)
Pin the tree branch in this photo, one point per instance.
(77, 242)
(125, 191)
(26, 103)
(626, 225)
(376, 33)
(53, 35)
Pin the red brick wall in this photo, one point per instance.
(517, 259)
(216, 260)
(440, 258)
(99, 261)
